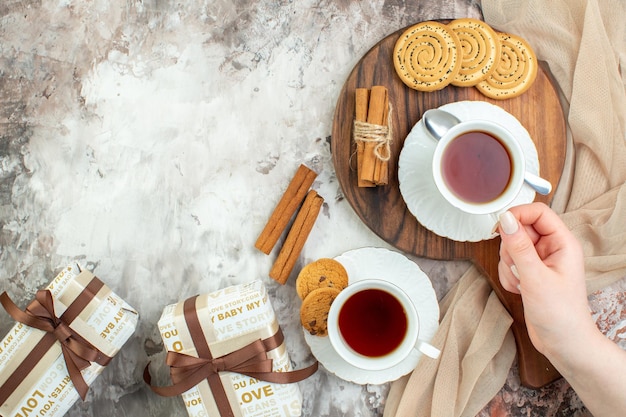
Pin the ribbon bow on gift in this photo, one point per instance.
(77, 352)
(251, 360)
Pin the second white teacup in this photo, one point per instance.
(479, 167)
(373, 325)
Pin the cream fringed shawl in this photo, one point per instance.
(584, 44)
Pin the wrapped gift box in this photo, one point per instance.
(34, 376)
(218, 324)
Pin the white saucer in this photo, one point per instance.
(418, 188)
(381, 263)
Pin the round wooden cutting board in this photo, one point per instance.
(383, 209)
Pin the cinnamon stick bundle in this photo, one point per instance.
(297, 236)
(371, 169)
(286, 207)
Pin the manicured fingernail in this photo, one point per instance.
(508, 223)
(514, 271)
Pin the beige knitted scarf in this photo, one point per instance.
(584, 44)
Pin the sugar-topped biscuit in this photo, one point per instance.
(324, 272)
(315, 308)
(515, 71)
(426, 56)
(480, 50)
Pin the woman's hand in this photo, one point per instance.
(541, 259)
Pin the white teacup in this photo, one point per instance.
(479, 167)
(373, 325)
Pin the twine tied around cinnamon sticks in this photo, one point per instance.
(380, 136)
(373, 135)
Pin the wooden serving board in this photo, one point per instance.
(383, 209)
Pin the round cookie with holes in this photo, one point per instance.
(480, 50)
(426, 56)
(515, 71)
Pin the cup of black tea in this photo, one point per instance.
(373, 325)
(479, 166)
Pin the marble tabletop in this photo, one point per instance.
(150, 140)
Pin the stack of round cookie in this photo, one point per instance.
(466, 52)
(317, 285)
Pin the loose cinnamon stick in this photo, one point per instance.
(362, 96)
(286, 207)
(378, 107)
(297, 236)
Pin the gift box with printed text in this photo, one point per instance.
(61, 342)
(227, 355)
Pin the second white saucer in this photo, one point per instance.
(379, 263)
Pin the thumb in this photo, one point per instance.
(519, 246)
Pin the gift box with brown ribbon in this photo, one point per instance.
(61, 342)
(227, 355)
